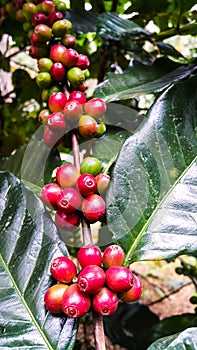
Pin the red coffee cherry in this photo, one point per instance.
(56, 52)
(57, 102)
(47, 6)
(134, 293)
(63, 269)
(50, 194)
(53, 298)
(89, 255)
(119, 278)
(35, 41)
(74, 302)
(86, 184)
(113, 256)
(73, 110)
(70, 58)
(91, 279)
(87, 126)
(51, 138)
(67, 221)
(105, 302)
(38, 18)
(102, 181)
(67, 175)
(58, 71)
(69, 41)
(69, 200)
(43, 32)
(37, 51)
(53, 17)
(95, 107)
(83, 62)
(56, 121)
(93, 208)
(77, 96)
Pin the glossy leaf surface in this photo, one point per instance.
(187, 340)
(152, 200)
(29, 242)
(142, 79)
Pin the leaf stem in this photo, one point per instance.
(87, 240)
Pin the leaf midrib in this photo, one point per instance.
(137, 240)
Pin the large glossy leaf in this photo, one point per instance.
(112, 26)
(142, 79)
(187, 340)
(152, 200)
(29, 241)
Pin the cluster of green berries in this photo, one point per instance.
(100, 284)
(77, 192)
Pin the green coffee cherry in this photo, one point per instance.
(90, 165)
(75, 76)
(43, 80)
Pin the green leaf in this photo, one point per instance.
(152, 199)
(142, 79)
(82, 21)
(187, 340)
(29, 242)
(111, 26)
(108, 146)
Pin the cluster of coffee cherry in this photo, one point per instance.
(77, 192)
(100, 284)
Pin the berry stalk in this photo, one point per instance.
(87, 240)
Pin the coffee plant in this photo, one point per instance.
(98, 170)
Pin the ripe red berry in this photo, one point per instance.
(43, 32)
(102, 181)
(57, 102)
(87, 126)
(67, 221)
(78, 96)
(53, 17)
(53, 298)
(113, 256)
(51, 138)
(38, 18)
(93, 208)
(69, 200)
(69, 41)
(89, 255)
(95, 107)
(37, 51)
(56, 52)
(58, 71)
(83, 62)
(91, 279)
(119, 278)
(86, 184)
(63, 269)
(74, 302)
(70, 58)
(105, 302)
(56, 121)
(35, 41)
(67, 175)
(49, 194)
(134, 293)
(47, 6)
(73, 110)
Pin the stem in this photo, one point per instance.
(98, 331)
(87, 240)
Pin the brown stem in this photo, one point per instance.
(98, 331)
(87, 240)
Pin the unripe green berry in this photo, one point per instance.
(75, 76)
(61, 27)
(44, 64)
(43, 80)
(90, 165)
